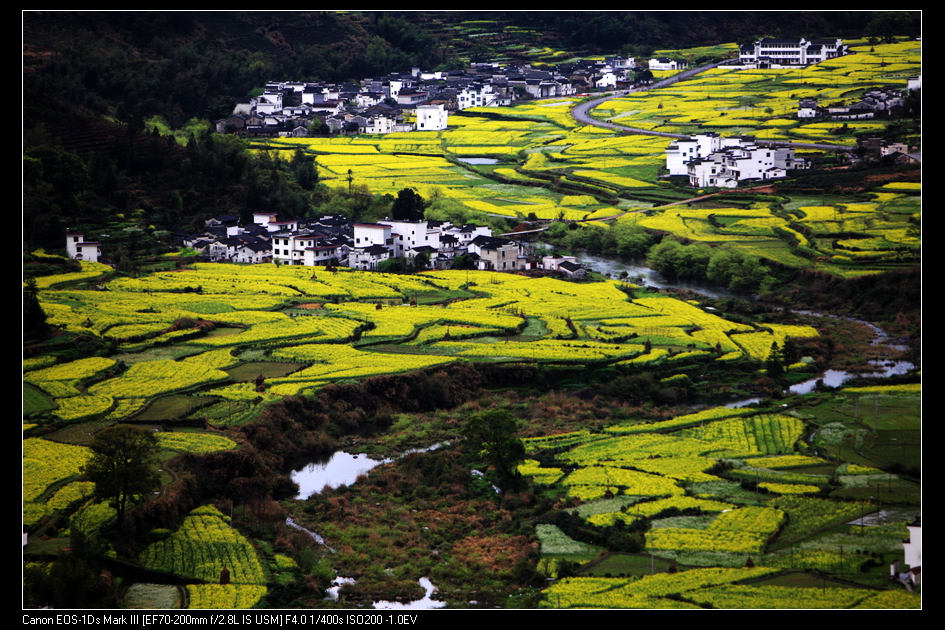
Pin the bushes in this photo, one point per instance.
(732, 269)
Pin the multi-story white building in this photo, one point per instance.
(777, 52)
(324, 254)
(81, 249)
(368, 258)
(712, 160)
(407, 235)
(683, 150)
(367, 234)
(607, 78)
(431, 117)
(380, 124)
(498, 254)
(476, 95)
(730, 165)
(269, 103)
(288, 247)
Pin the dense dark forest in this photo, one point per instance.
(90, 79)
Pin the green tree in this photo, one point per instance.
(408, 206)
(304, 170)
(774, 364)
(34, 318)
(492, 437)
(676, 261)
(632, 240)
(735, 270)
(123, 465)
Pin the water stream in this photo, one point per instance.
(638, 273)
(641, 274)
(424, 603)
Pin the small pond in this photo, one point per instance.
(478, 160)
(341, 469)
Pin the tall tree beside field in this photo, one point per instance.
(35, 326)
(492, 437)
(123, 466)
(408, 206)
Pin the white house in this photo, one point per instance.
(323, 254)
(368, 258)
(269, 103)
(772, 52)
(265, 219)
(683, 150)
(380, 124)
(80, 249)
(368, 99)
(678, 153)
(807, 108)
(912, 557)
(889, 148)
(407, 235)
(431, 117)
(409, 97)
(621, 63)
(367, 234)
(288, 247)
(606, 79)
(551, 263)
(498, 254)
(476, 95)
(431, 253)
(913, 548)
(733, 160)
(253, 250)
(665, 63)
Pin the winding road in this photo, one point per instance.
(581, 113)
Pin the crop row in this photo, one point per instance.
(46, 462)
(587, 592)
(189, 442)
(763, 434)
(334, 361)
(813, 514)
(151, 378)
(739, 596)
(677, 422)
(202, 547)
(224, 596)
(627, 481)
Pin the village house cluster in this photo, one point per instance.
(337, 241)
(712, 160)
(876, 102)
(418, 100)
